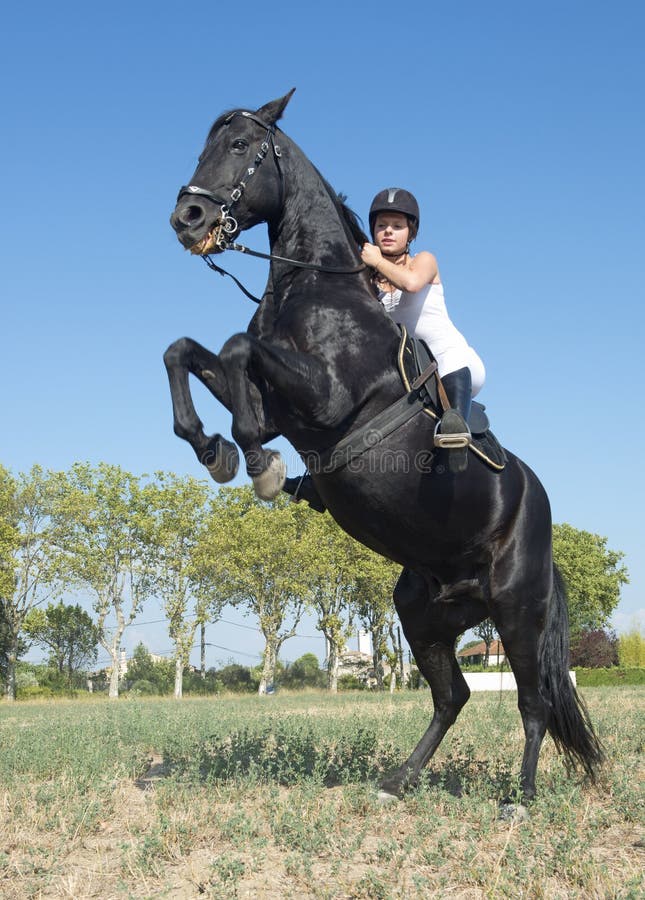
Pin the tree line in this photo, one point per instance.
(120, 540)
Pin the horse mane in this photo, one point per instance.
(349, 218)
(352, 220)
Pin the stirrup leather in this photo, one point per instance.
(294, 497)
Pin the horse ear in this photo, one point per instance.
(272, 111)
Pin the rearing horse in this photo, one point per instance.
(319, 360)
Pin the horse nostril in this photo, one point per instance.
(190, 215)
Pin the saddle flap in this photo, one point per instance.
(478, 420)
(414, 358)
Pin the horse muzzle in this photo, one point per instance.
(193, 222)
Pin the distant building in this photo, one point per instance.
(123, 665)
(353, 662)
(360, 663)
(365, 642)
(475, 656)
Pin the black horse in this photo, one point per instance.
(319, 361)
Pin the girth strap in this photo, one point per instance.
(373, 432)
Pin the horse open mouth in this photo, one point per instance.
(208, 244)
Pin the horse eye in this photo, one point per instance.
(239, 145)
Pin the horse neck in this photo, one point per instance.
(310, 226)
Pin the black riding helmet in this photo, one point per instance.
(395, 200)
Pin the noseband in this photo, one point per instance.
(227, 224)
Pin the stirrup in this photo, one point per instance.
(451, 441)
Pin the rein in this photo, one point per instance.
(293, 262)
(228, 225)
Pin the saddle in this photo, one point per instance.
(414, 358)
(418, 370)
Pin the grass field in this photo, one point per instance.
(275, 797)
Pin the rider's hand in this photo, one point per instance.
(371, 255)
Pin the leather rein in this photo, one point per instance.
(227, 224)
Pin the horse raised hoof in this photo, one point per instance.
(268, 484)
(221, 458)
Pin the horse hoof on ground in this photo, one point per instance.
(269, 483)
(384, 798)
(222, 459)
(397, 784)
(513, 812)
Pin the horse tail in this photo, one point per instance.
(569, 724)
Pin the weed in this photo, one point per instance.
(285, 792)
(373, 887)
(229, 868)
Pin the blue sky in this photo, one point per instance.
(518, 126)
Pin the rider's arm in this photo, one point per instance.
(419, 271)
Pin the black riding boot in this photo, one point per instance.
(453, 431)
(303, 488)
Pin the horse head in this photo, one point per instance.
(230, 189)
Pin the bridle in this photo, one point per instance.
(227, 224)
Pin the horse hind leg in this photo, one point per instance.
(518, 625)
(535, 639)
(182, 358)
(431, 629)
(450, 693)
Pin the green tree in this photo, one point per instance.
(237, 678)
(180, 509)
(486, 632)
(251, 554)
(105, 521)
(394, 656)
(330, 563)
(30, 558)
(9, 533)
(631, 648)
(144, 670)
(373, 606)
(9, 648)
(304, 672)
(68, 632)
(592, 573)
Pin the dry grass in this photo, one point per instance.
(89, 810)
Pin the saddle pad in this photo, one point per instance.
(414, 357)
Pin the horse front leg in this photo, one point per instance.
(302, 378)
(183, 358)
(431, 628)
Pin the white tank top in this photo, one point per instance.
(425, 316)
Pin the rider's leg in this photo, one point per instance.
(303, 488)
(454, 422)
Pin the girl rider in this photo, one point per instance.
(410, 289)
